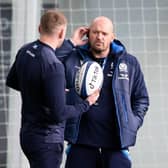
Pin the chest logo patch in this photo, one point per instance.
(123, 67)
(123, 71)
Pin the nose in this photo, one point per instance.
(99, 36)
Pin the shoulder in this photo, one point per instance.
(44, 56)
(29, 45)
(119, 50)
(133, 60)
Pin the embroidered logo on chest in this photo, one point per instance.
(123, 71)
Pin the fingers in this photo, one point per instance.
(79, 36)
(83, 30)
(93, 97)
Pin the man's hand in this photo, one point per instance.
(93, 97)
(79, 36)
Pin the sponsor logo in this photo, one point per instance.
(35, 46)
(94, 78)
(123, 76)
(30, 53)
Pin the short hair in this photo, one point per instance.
(105, 20)
(51, 20)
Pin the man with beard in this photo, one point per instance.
(102, 136)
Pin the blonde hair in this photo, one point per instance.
(52, 20)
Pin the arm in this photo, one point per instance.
(12, 79)
(54, 89)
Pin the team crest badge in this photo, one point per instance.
(123, 67)
(123, 71)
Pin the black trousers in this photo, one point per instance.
(41, 154)
(89, 157)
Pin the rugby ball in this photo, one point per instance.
(88, 78)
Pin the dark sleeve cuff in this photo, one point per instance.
(70, 43)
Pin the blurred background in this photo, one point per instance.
(141, 25)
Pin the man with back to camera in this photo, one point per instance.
(101, 137)
(40, 77)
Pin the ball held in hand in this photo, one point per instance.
(88, 78)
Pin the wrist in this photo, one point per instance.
(72, 42)
(88, 102)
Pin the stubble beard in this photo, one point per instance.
(97, 50)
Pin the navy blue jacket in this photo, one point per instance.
(129, 91)
(40, 77)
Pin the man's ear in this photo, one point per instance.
(113, 36)
(61, 33)
(39, 28)
(87, 35)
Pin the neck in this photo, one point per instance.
(49, 41)
(101, 54)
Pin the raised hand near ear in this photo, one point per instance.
(79, 36)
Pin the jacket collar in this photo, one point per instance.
(117, 49)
